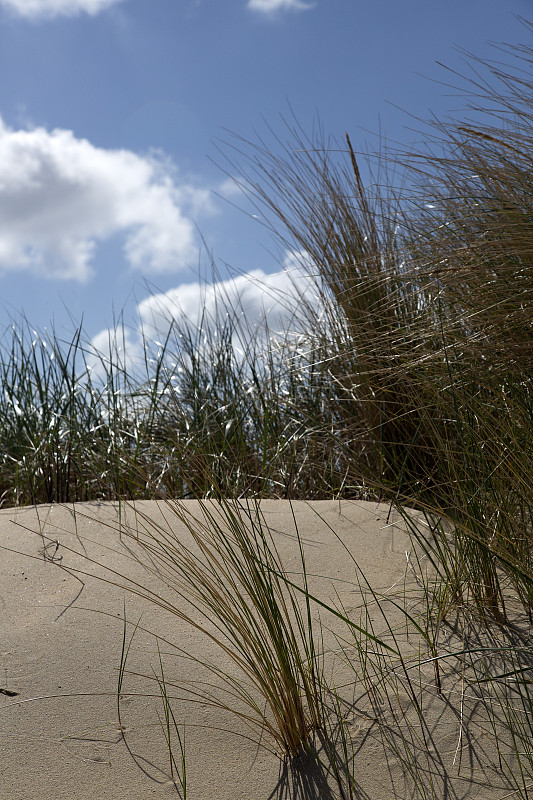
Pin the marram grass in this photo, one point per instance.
(414, 385)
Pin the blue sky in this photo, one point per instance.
(112, 111)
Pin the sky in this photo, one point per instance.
(115, 195)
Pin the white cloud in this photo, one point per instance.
(46, 9)
(112, 349)
(258, 301)
(60, 196)
(277, 299)
(274, 6)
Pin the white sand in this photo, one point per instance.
(60, 645)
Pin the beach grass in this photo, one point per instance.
(413, 386)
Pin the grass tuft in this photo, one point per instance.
(413, 385)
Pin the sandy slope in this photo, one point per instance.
(60, 645)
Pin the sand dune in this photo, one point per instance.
(61, 641)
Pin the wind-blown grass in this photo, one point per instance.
(431, 290)
(415, 386)
(217, 409)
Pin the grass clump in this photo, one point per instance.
(215, 567)
(216, 409)
(431, 302)
(415, 387)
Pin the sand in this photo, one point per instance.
(61, 634)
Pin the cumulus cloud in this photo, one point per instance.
(259, 303)
(112, 349)
(271, 7)
(46, 9)
(60, 196)
(256, 300)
